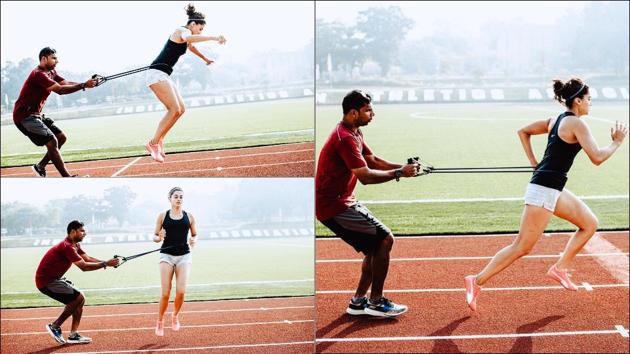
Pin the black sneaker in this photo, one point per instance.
(384, 308)
(39, 171)
(55, 332)
(357, 306)
(76, 338)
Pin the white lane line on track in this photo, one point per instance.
(184, 350)
(469, 336)
(151, 305)
(617, 265)
(127, 166)
(253, 309)
(623, 331)
(219, 169)
(587, 286)
(449, 290)
(416, 259)
(251, 282)
(483, 199)
(182, 327)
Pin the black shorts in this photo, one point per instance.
(39, 129)
(358, 228)
(61, 290)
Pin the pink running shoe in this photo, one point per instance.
(161, 146)
(159, 328)
(154, 150)
(175, 323)
(561, 277)
(472, 291)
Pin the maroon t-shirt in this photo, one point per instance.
(343, 151)
(57, 261)
(34, 93)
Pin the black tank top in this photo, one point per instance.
(169, 55)
(559, 155)
(176, 234)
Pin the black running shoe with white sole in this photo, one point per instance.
(76, 338)
(357, 306)
(39, 171)
(55, 332)
(385, 308)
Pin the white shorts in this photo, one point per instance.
(154, 76)
(542, 196)
(176, 260)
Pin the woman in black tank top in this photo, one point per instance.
(567, 135)
(172, 227)
(181, 39)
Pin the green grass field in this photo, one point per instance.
(239, 125)
(469, 135)
(220, 270)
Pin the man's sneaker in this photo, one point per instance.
(39, 171)
(55, 332)
(175, 323)
(561, 277)
(76, 338)
(357, 306)
(384, 308)
(159, 328)
(472, 291)
(154, 150)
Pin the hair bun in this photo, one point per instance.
(190, 10)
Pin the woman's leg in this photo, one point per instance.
(167, 94)
(533, 223)
(182, 272)
(182, 109)
(166, 276)
(573, 210)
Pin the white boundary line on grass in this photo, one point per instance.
(482, 199)
(466, 258)
(471, 336)
(242, 324)
(450, 290)
(183, 350)
(253, 309)
(251, 282)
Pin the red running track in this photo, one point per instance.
(284, 160)
(519, 310)
(278, 325)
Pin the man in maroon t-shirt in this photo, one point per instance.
(27, 112)
(344, 159)
(49, 280)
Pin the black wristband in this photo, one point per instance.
(397, 174)
(104, 264)
(83, 86)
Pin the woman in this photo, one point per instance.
(545, 195)
(172, 227)
(160, 83)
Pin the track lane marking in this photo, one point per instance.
(464, 258)
(219, 169)
(438, 290)
(127, 166)
(229, 346)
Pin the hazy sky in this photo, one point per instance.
(107, 37)
(466, 17)
(38, 192)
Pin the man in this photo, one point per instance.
(27, 113)
(49, 281)
(345, 157)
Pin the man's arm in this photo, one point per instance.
(94, 264)
(89, 258)
(366, 175)
(70, 87)
(376, 163)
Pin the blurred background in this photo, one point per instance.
(255, 236)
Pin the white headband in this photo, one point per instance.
(577, 93)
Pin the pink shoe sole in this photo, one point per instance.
(175, 325)
(159, 329)
(561, 277)
(154, 151)
(472, 291)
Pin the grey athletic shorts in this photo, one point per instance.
(358, 228)
(40, 129)
(61, 290)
